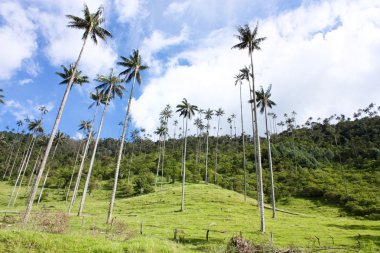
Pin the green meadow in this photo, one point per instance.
(147, 223)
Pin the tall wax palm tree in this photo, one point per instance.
(111, 87)
(134, 137)
(19, 123)
(87, 127)
(229, 121)
(199, 125)
(208, 116)
(161, 132)
(187, 111)
(175, 124)
(19, 148)
(233, 117)
(264, 102)
(248, 40)
(60, 138)
(238, 80)
(219, 113)
(91, 24)
(80, 147)
(43, 110)
(35, 127)
(133, 65)
(165, 115)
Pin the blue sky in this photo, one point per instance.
(322, 57)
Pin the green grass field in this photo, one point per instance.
(207, 207)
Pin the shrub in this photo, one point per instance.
(57, 223)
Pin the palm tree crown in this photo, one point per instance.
(248, 38)
(68, 72)
(90, 23)
(186, 109)
(263, 98)
(36, 126)
(133, 65)
(116, 89)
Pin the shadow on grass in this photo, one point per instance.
(374, 238)
(356, 227)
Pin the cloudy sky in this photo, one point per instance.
(322, 57)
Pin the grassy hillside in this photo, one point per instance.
(207, 207)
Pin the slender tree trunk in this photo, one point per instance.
(84, 155)
(109, 219)
(9, 158)
(258, 152)
(184, 172)
(52, 135)
(254, 143)
(14, 161)
(216, 151)
(93, 155)
(46, 176)
(23, 173)
(74, 169)
(183, 134)
(243, 137)
(34, 169)
(20, 170)
(163, 162)
(270, 166)
(158, 165)
(206, 174)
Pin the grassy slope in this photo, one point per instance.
(207, 206)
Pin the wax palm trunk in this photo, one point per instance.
(20, 170)
(93, 154)
(52, 135)
(270, 166)
(9, 158)
(23, 173)
(184, 171)
(243, 137)
(258, 152)
(163, 161)
(46, 176)
(14, 161)
(216, 151)
(74, 169)
(84, 155)
(206, 173)
(34, 169)
(158, 165)
(112, 202)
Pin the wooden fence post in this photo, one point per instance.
(207, 232)
(141, 228)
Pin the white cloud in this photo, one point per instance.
(321, 58)
(17, 36)
(127, 9)
(177, 8)
(78, 136)
(64, 44)
(25, 81)
(24, 109)
(159, 41)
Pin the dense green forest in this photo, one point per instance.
(333, 161)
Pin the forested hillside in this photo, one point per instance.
(334, 163)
